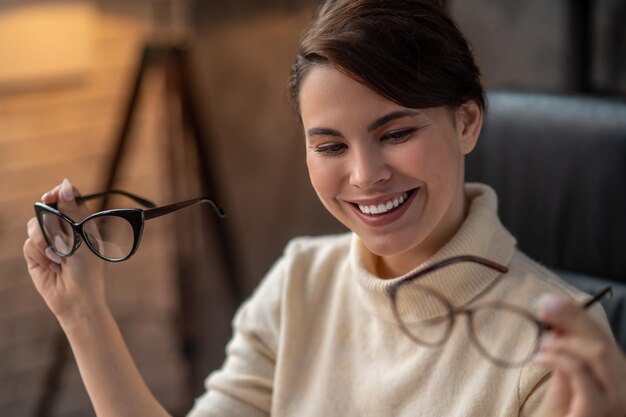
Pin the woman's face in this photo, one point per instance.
(391, 174)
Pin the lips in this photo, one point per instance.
(384, 211)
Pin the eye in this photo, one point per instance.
(333, 149)
(398, 136)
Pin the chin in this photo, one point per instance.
(387, 245)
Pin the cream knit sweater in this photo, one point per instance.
(317, 337)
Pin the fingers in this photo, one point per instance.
(39, 244)
(36, 258)
(568, 317)
(583, 395)
(64, 196)
(35, 234)
(596, 354)
(596, 368)
(576, 332)
(587, 356)
(52, 196)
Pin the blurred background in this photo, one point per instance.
(211, 115)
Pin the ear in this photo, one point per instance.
(469, 121)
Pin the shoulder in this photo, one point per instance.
(298, 279)
(533, 279)
(318, 248)
(311, 264)
(306, 261)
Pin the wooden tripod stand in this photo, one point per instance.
(173, 62)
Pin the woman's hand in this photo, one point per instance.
(588, 368)
(72, 287)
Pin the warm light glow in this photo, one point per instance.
(45, 43)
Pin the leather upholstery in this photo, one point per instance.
(558, 164)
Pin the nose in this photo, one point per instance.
(368, 168)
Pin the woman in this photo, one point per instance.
(390, 100)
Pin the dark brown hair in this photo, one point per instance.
(409, 51)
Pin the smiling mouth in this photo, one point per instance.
(385, 207)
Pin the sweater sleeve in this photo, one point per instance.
(530, 406)
(244, 384)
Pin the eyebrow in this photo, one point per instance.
(323, 131)
(381, 121)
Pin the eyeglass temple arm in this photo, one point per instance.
(605, 292)
(142, 201)
(160, 211)
(456, 259)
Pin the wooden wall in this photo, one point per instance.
(68, 131)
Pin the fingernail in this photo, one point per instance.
(66, 190)
(52, 256)
(550, 304)
(45, 195)
(31, 228)
(60, 244)
(54, 268)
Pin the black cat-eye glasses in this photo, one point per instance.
(113, 235)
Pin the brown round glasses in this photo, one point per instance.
(427, 317)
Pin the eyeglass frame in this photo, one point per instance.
(136, 217)
(453, 311)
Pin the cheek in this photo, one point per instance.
(425, 161)
(321, 175)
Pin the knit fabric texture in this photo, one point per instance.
(318, 337)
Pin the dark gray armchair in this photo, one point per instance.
(558, 164)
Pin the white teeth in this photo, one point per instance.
(384, 207)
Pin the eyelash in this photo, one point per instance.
(399, 136)
(336, 149)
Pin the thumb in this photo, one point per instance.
(67, 197)
(66, 202)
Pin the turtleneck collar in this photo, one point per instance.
(481, 234)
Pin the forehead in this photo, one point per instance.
(327, 95)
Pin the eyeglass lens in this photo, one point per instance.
(491, 322)
(428, 320)
(59, 233)
(110, 236)
(425, 316)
